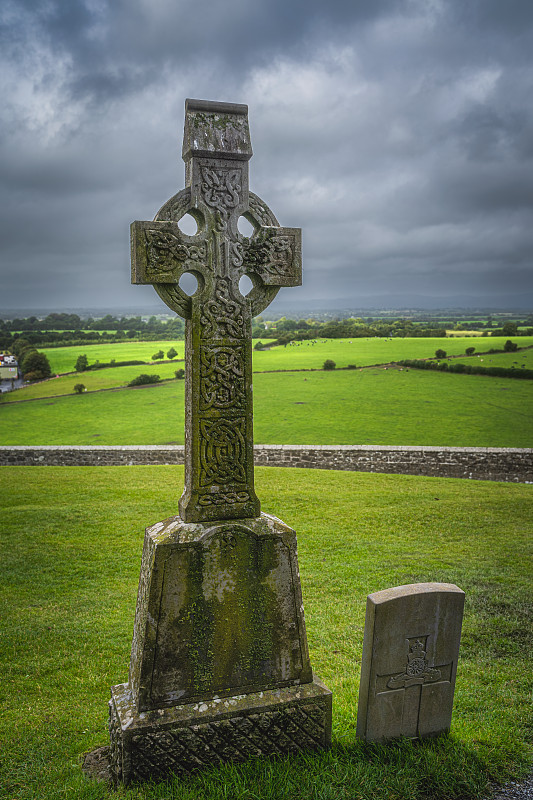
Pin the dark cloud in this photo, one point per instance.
(397, 134)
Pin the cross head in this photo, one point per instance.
(219, 470)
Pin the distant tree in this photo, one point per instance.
(469, 351)
(510, 347)
(143, 379)
(180, 374)
(20, 345)
(509, 329)
(31, 377)
(329, 364)
(258, 345)
(440, 353)
(37, 365)
(158, 356)
(79, 388)
(172, 353)
(81, 363)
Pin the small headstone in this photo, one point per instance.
(409, 664)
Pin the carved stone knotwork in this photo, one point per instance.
(219, 667)
(219, 416)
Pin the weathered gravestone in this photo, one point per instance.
(219, 663)
(410, 652)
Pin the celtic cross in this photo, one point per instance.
(219, 470)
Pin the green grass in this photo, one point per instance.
(63, 359)
(72, 540)
(93, 380)
(303, 355)
(371, 406)
(516, 360)
(300, 355)
(366, 352)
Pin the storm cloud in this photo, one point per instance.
(397, 133)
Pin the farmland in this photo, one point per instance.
(296, 401)
(369, 406)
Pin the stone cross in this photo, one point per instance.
(219, 668)
(219, 472)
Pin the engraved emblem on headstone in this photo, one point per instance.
(417, 670)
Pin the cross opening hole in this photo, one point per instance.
(188, 283)
(245, 285)
(245, 227)
(188, 225)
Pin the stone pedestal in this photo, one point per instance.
(219, 664)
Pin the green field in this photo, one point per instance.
(93, 380)
(298, 355)
(369, 406)
(72, 540)
(63, 359)
(509, 360)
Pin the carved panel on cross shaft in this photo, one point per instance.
(221, 188)
(223, 498)
(222, 317)
(222, 384)
(222, 451)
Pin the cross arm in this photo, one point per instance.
(275, 254)
(161, 253)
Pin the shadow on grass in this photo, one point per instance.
(441, 769)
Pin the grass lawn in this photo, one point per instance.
(366, 352)
(63, 359)
(371, 406)
(299, 355)
(72, 546)
(114, 377)
(516, 360)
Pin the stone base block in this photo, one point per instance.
(191, 736)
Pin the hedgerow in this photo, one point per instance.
(468, 369)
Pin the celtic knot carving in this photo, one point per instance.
(270, 254)
(222, 316)
(223, 498)
(167, 250)
(237, 254)
(260, 211)
(222, 451)
(222, 377)
(221, 188)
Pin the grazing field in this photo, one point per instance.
(298, 355)
(509, 360)
(72, 547)
(93, 380)
(63, 359)
(370, 406)
(367, 352)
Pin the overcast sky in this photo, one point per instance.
(398, 134)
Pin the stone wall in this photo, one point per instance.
(478, 463)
